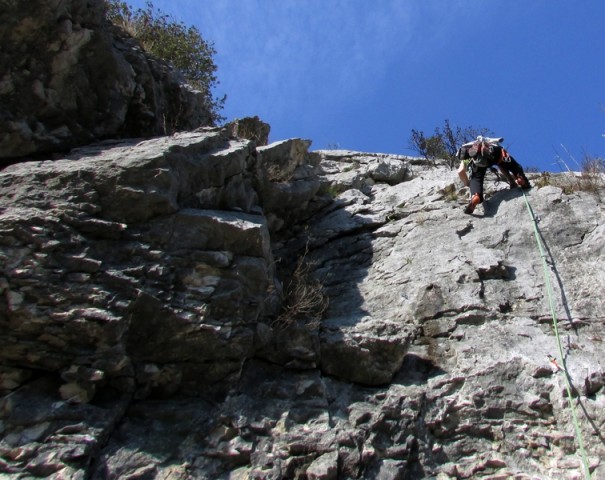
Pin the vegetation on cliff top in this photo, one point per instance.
(171, 40)
(444, 143)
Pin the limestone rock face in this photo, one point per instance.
(206, 305)
(123, 256)
(141, 284)
(68, 78)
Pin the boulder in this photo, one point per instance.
(114, 259)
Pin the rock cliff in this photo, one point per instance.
(143, 332)
(68, 78)
(204, 305)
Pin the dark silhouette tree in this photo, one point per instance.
(444, 143)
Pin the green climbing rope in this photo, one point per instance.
(555, 324)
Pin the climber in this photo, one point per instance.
(481, 154)
(499, 172)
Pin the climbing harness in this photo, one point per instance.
(555, 324)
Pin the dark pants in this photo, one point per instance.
(512, 166)
(478, 175)
(476, 181)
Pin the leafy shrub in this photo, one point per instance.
(182, 46)
(445, 142)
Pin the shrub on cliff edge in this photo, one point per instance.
(166, 38)
(444, 143)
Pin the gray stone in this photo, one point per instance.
(145, 288)
(325, 467)
(69, 78)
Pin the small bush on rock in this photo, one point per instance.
(303, 298)
(445, 142)
(591, 176)
(182, 46)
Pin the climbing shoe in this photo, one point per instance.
(522, 181)
(475, 200)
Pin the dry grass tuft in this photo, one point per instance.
(590, 176)
(303, 298)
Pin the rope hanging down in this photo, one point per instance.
(555, 324)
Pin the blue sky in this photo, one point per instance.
(361, 75)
